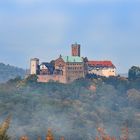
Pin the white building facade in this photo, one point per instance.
(101, 68)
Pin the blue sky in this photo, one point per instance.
(106, 30)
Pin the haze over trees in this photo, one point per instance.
(9, 72)
(74, 110)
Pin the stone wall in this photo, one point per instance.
(47, 78)
(74, 71)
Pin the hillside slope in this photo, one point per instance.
(73, 110)
(8, 72)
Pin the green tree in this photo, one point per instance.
(31, 78)
(134, 73)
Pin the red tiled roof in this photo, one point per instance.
(101, 63)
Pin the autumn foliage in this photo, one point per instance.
(4, 127)
(104, 136)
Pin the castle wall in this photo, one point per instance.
(104, 72)
(109, 72)
(74, 71)
(56, 78)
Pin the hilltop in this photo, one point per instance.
(9, 72)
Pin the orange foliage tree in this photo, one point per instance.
(49, 135)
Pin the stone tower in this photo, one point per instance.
(34, 66)
(75, 49)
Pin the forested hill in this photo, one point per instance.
(8, 72)
(73, 110)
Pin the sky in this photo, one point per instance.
(106, 30)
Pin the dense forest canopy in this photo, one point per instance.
(72, 110)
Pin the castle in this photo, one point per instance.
(66, 69)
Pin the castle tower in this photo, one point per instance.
(34, 63)
(75, 49)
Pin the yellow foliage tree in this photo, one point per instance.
(4, 127)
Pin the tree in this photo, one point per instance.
(15, 80)
(3, 129)
(24, 138)
(134, 73)
(49, 135)
(31, 78)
